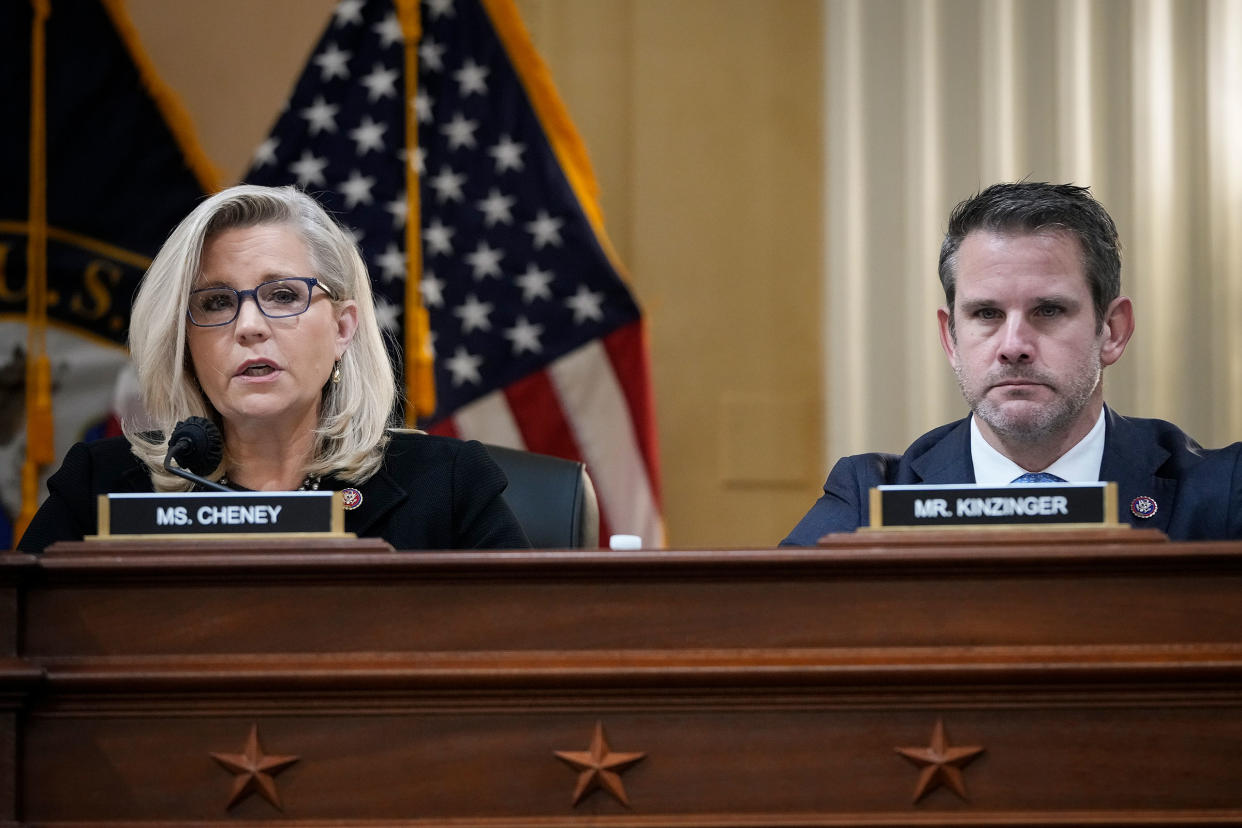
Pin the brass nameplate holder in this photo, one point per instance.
(1050, 505)
(195, 515)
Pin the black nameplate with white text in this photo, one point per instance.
(1075, 504)
(199, 514)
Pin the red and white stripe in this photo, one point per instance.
(592, 405)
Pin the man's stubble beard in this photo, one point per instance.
(1053, 418)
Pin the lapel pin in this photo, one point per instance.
(1143, 507)
(353, 499)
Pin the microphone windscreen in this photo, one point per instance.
(197, 445)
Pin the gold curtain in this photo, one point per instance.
(929, 100)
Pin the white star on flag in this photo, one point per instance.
(400, 209)
(534, 284)
(392, 263)
(464, 367)
(473, 315)
(439, 238)
(348, 11)
(332, 63)
(369, 136)
(440, 8)
(387, 314)
(585, 304)
(460, 132)
(495, 208)
(471, 79)
(266, 153)
(448, 185)
(432, 290)
(389, 30)
(309, 170)
(431, 55)
(320, 116)
(545, 229)
(508, 154)
(422, 107)
(485, 261)
(524, 336)
(357, 190)
(381, 83)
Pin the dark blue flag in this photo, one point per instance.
(118, 168)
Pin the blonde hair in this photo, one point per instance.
(354, 413)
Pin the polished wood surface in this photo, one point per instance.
(1033, 678)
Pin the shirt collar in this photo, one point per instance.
(1081, 464)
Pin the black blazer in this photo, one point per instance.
(1198, 491)
(431, 493)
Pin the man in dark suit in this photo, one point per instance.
(1033, 314)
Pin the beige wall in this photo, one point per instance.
(232, 63)
(702, 118)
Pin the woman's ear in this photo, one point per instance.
(346, 325)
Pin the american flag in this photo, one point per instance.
(537, 341)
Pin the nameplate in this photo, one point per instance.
(220, 514)
(1052, 504)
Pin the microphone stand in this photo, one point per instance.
(190, 476)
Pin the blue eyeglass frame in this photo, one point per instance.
(311, 283)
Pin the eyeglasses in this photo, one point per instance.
(277, 299)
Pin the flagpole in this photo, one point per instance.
(420, 381)
(40, 443)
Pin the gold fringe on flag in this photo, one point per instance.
(420, 379)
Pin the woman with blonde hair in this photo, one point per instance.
(298, 380)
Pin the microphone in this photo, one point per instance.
(197, 446)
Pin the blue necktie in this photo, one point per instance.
(1037, 477)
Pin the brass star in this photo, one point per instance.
(600, 767)
(941, 764)
(254, 771)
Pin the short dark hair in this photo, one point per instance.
(1028, 207)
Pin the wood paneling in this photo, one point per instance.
(1101, 675)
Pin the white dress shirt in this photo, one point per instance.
(1081, 464)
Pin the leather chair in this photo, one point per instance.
(553, 499)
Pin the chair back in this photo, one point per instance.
(553, 498)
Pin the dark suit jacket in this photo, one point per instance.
(1198, 492)
(431, 493)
